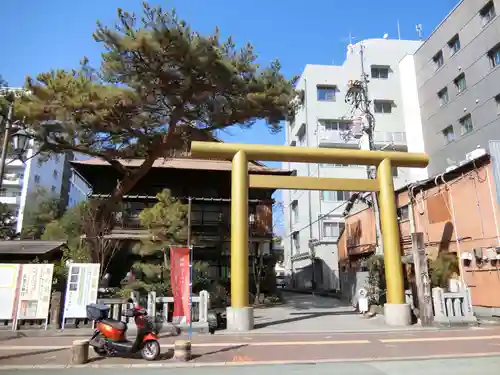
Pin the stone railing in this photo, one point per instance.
(117, 306)
(200, 306)
(452, 307)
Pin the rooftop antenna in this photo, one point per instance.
(418, 27)
(350, 47)
(399, 32)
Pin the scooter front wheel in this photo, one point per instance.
(100, 351)
(150, 350)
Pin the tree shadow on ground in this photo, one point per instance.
(303, 316)
(223, 350)
(25, 354)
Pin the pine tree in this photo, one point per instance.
(156, 75)
(166, 223)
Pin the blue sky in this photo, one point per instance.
(41, 35)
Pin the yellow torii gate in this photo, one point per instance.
(240, 314)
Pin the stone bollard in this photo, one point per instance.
(80, 352)
(182, 350)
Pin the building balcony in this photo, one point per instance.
(390, 140)
(12, 179)
(336, 138)
(12, 161)
(204, 229)
(10, 200)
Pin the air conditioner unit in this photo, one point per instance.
(466, 256)
(463, 162)
(491, 254)
(477, 153)
(478, 253)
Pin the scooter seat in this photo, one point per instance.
(115, 324)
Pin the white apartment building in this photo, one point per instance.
(322, 121)
(23, 178)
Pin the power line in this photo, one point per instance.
(322, 216)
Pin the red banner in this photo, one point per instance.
(179, 278)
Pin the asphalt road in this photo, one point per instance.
(271, 348)
(464, 366)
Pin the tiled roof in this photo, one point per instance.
(29, 247)
(185, 163)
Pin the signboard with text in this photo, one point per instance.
(9, 280)
(34, 290)
(81, 289)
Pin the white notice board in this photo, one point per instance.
(9, 275)
(35, 287)
(81, 289)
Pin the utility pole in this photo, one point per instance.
(5, 143)
(371, 171)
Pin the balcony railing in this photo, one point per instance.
(10, 200)
(328, 138)
(396, 138)
(198, 225)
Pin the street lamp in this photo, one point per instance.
(20, 140)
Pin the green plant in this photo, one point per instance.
(156, 75)
(376, 279)
(443, 268)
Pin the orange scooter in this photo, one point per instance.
(109, 338)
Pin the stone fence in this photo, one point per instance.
(161, 307)
(452, 307)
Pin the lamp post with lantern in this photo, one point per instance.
(20, 140)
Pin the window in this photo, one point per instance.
(404, 213)
(333, 165)
(295, 212)
(53, 189)
(55, 173)
(460, 83)
(37, 179)
(466, 124)
(395, 172)
(487, 13)
(3, 192)
(443, 97)
(494, 56)
(335, 125)
(382, 106)
(326, 93)
(301, 139)
(380, 72)
(335, 196)
(332, 229)
(449, 134)
(438, 59)
(296, 241)
(497, 102)
(454, 45)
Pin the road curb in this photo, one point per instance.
(244, 363)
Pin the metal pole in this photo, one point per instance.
(190, 292)
(239, 231)
(371, 146)
(189, 222)
(191, 257)
(390, 233)
(5, 143)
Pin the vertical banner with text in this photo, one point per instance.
(180, 280)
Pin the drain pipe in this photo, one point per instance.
(493, 206)
(453, 218)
